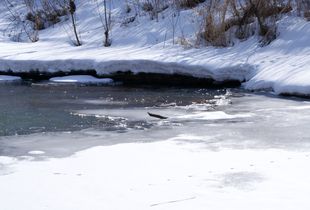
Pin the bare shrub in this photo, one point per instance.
(45, 18)
(104, 11)
(224, 17)
(307, 15)
(19, 26)
(303, 8)
(214, 31)
(29, 16)
(188, 3)
(147, 7)
(266, 14)
(154, 7)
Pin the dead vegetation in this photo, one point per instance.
(228, 19)
(303, 8)
(29, 17)
(154, 7)
(188, 3)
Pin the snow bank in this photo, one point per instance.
(284, 66)
(147, 46)
(4, 78)
(85, 79)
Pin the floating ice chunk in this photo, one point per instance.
(85, 79)
(34, 152)
(171, 114)
(216, 115)
(104, 102)
(5, 78)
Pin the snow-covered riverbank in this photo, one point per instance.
(146, 46)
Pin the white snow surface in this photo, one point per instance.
(81, 79)
(161, 175)
(146, 46)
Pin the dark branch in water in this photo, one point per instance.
(157, 116)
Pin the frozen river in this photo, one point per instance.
(213, 144)
(217, 118)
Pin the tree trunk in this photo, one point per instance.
(78, 43)
(107, 25)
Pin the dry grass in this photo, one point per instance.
(214, 31)
(242, 18)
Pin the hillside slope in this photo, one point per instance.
(146, 45)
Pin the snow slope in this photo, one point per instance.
(147, 46)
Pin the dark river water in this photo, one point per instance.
(26, 109)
